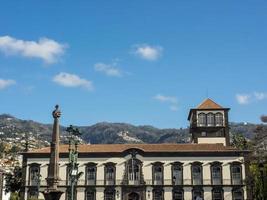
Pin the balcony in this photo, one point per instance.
(166, 182)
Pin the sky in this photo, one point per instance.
(142, 62)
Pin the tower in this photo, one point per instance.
(209, 123)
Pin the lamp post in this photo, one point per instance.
(73, 175)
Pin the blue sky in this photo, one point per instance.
(139, 62)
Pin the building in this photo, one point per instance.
(208, 168)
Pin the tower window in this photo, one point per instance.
(202, 120)
(210, 119)
(219, 119)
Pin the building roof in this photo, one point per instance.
(151, 148)
(209, 104)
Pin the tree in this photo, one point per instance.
(240, 142)
(14, 182)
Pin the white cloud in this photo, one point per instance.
(46, 49)
(72, 80)
(243, 98)
(108, 69)
(148, 52)
(169, 99)
(6, 83)
(260, 95)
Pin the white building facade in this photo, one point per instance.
(205, 169)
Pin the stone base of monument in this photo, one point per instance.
(52, 195)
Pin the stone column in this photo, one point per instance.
(52, 192)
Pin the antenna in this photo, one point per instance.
(207, 93)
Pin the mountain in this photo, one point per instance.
(14, 129)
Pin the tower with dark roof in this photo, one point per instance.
(209, 123)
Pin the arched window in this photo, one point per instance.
(196, 173)
(110, 171)
(216, 173)
(236, 172)
(198, 193)
(91, 173)
(35, 174)
(217, 194)
(90, 195)
(202, 120)
(109, 194)
(177, 173)
(158, 194)
(219, 119)
(134, 171)
(237, 194)
(178, 195)
(210, 119)
(158, 173)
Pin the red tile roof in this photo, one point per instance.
(209, 104)
(119, 148)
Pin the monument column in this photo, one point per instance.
(52, 192)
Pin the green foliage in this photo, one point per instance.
(259, 189)
(14, 180)
(14, 196)
(240, 142)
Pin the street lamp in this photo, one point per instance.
(74, 175)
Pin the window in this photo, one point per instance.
(109, 195)
(216, 173)
(219, 119)
(35, 174)
(236, 170)
(203, 134)
(198, 194)
(158, 173)
(237, 194)
(134, 171)
(158, 194)
(68, 193)
(178, 195)
(196, 173)
(210, 119)
(90, 195)
(202, 121)
(110, 174)
(177, 174)
(217, 194)
(91, 174)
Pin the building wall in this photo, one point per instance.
(147, 171)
